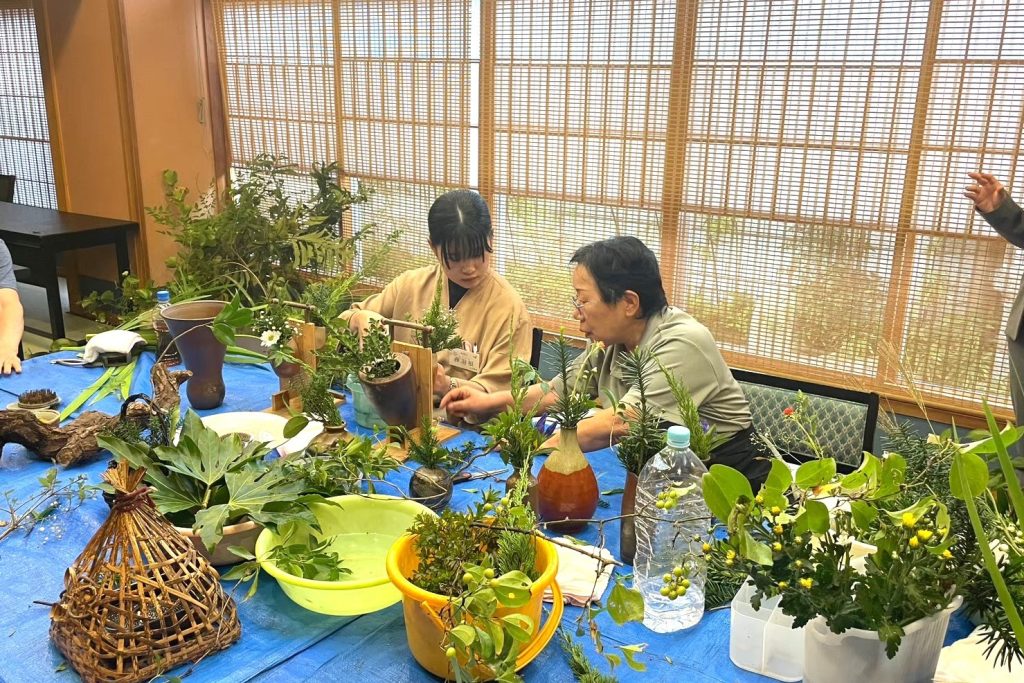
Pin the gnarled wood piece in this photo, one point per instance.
(75, 442)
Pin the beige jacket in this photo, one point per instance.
(485, 313)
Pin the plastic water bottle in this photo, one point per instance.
(163, 334)
(667, 554)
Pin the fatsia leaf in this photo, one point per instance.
(251, 489)
(210, 524)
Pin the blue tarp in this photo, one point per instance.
(280, 640)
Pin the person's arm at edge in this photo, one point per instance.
(12, 327)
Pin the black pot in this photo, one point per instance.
(432, 487)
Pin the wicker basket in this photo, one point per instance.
(139, 600)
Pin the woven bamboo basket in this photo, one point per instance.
(139, 600)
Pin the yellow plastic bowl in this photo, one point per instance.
(364, 527)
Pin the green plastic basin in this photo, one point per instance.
(363, 527)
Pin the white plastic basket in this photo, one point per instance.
(858, 656)
(764, 641)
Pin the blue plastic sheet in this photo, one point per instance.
(281, 641)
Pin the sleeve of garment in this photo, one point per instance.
(685, 361)
(496, 373)
(7, 280)
(1008, 221)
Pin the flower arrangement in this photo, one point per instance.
(275, 331)
(801, 552)
(574, 402)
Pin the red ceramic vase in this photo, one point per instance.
(566, 486)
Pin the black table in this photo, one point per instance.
(35, 236)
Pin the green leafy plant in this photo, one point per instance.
(573, 401)
(426, 449)
(512, 431)
(262, 238)
(116, 306)
(703, 437)
(372, 355)
(443, 324)
(581, 667)
(801, 552)
(644, 437)
(318, 401)
(343, 468)
(207, 482)
(317, 561)
(272, 324)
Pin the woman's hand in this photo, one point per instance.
(987, 193)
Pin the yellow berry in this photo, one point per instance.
(450, 653)
(677, 572)
(914, 543)
(489, 573)
(667, 578)
(686, 583)
(467, 577)
(665, 590)
(488, 507)
(807, 582)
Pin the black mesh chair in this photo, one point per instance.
(6, 188)
(536, 340)
(846, 418)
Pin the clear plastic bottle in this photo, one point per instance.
(663, 548)
(163, 335)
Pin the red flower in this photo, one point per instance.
(788, 411)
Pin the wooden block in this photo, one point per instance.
(423, 366)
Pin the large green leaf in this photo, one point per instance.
(512, 588)
(780, 478)
(519, 626)
(968, 475)
(754, 550)
(815, 473)
(210, 524)
(813, 518)
(625, 604)
(723, 487)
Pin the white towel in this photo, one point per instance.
(964, 662)
(576, 574)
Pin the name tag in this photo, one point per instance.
(467, 360)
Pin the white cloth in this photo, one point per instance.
(964, 662)
(576, 574)
(112, 341)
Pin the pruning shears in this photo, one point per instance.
(482, 474)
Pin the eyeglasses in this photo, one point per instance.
(577, 304)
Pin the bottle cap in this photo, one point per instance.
(163, 296)
(678, 437)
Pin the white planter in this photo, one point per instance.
(764, 641)
(858, 656)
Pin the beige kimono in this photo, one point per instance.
(485, 313)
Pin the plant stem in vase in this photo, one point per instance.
(566, 487)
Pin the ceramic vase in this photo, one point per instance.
(566, 486)
(202, 353)
(394, 397)
(627, 525)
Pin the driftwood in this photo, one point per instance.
(75, 442)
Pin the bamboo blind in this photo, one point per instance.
(24, 131)
(797, 165)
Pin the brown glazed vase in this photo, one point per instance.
(202, 353)
(566, 486)
(394, 397)
(627, 528)
(531, 490)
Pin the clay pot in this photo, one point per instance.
(431, 487)
(202, 353)
(627, 525)
(287, 370)
(531, 489)
(567, 487)
(394, 397)
(243, 534)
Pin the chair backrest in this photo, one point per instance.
(6, 188)
(536, 339)
(846, 419)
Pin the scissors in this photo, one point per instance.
(483, 474)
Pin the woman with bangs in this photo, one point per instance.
(492, 318)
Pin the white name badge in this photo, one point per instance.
(467, 360)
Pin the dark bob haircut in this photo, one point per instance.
(622, 264)
(460, 225)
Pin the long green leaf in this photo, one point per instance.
(88, 392)
(1013, 489)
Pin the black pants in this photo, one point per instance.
(740, 454)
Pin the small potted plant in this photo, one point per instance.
(566, 486)
(514, 435)
(216, 489)
(880, 618)
(276, 333)
(387, 377)
(431, 483)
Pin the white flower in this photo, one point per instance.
(269, 338)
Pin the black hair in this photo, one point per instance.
(624, 263)
(460, 225)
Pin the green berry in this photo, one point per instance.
(467, 578)
(678, 571)
(665, 591)
(450, 653)
(672, 595)
(667, 578)
(686, 583)
(488, 507)
(488, 573)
